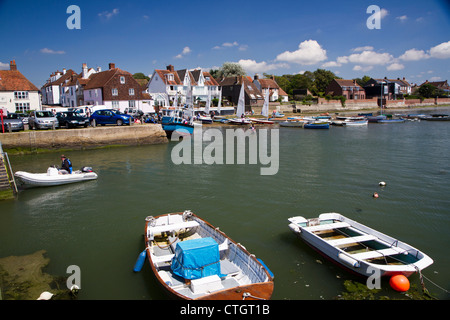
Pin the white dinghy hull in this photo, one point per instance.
(53, 178)
(358, 248)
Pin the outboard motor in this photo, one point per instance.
(86, 169)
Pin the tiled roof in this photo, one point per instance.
(347, 83)
(100, 79)
(13, 80)
(62, 79)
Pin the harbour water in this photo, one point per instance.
(99, 225)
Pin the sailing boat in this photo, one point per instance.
(174, 120)
(240, 110)
(264, 110)
(206, 118)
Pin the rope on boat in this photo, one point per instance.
(421, 276)
(248, 295)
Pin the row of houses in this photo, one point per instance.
(388, 89)
(116, 88)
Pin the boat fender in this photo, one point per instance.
(348, 260)
(140, 261)
(294, 228)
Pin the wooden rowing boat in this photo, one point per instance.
(192, 259)
(357, 247)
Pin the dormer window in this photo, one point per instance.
(122, 80)
(208, 79)
(169, 77)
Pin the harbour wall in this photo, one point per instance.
(84, 138)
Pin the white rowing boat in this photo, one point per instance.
(357, 247)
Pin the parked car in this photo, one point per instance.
(42, 120)
(12, 120)
(110, 116)
(23, 117)
(71, 119)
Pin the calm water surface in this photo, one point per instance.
(99, 225)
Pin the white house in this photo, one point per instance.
(166, 85)
(17, 93)
(270, 84)
(53, 92)
(74, 88)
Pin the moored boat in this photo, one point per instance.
(356, 122)
(191, 259)
(54, 178)
(437, 117)
(357, 247)
(318, 125)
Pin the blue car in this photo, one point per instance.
(110, 116)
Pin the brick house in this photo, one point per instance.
(17, 93)
(347, 88)
(113, 88)
(231, 88)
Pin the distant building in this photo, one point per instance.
(17, 93)
(275, 91)
(231, 88)
(441, 85)
(114, 88)
(74, 88)
(347, 88)
(388, 89)
(53, 92)
(165, 85)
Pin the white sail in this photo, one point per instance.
(220, 101)
(240, 110)
(265, 108)
(208, 102)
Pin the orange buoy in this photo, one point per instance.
(375, 195)
(399, 283)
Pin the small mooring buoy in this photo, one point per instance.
(45, 296)
(399, 283)
(382, 183)
(375, 195)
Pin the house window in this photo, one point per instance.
(131, 103)
(96, 93)
(131, 92)
(122, 80)
(115, 104)
(169, 77)
(20, 94)
(22, 107)
(115, 92)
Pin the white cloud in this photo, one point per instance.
(331, 64)
(254, 67)
(309, 52)
(359, 68)
(402, 18)
(414, 55)
(108, 15)
(367, 57)
(229, 44)
(50, 51)
(185, 51)
(435, 79)
(441, 51)
(224, 45)
(395, 66)
(365, 48)
(4, 66)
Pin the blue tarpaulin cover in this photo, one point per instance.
(196, 258)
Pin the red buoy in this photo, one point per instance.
(399, 283)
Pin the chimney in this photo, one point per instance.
(256, 76)
(170, 68)
(112, 66)
(13, 66)
(99, 69)
(64, 70)
(84, 71)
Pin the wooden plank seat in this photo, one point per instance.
(377, 253)
(349, 240)
(328, 226)
(174, 227)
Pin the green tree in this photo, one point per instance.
(140, 75)
(427, 90)
(322, 79)
(230, 69)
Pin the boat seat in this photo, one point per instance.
(328, 226)
(343, 241)
(228, 268)
(174, 227)
(377, 253)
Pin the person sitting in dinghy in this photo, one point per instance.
(66, 165)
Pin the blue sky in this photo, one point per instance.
(276, 37)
